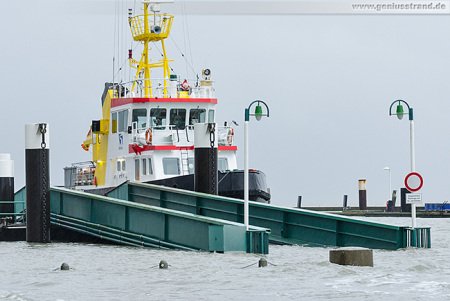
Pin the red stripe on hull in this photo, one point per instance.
(227, 148)
(173, 147)
(116, 102)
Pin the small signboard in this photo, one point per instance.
(414, 198)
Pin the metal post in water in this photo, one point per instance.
(405, 207)
(344, 203)
(205, 154)
(362, 195)
(246, 192)
(37, 182)
(413, 162)
(6, 187)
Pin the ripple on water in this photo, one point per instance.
(106, 272)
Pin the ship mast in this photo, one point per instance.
(146, 28)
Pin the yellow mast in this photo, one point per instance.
(148, 28)
(145, 28)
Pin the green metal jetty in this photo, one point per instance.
(141, 214)
(143, 225)
(287, 225)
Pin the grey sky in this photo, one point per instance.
(328, 79)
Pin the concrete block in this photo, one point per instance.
(352, 256)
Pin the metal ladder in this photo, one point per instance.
(184, 161)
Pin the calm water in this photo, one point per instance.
(100, 272)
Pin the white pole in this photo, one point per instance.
(413, 169)
(413, 156)
(246, 174)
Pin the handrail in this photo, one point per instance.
(167, 130)
(125, 89)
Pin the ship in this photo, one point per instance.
(146, 132)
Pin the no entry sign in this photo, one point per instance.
(413, 181)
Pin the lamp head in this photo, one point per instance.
(400, 112)
(258, 112)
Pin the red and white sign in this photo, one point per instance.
(413, 181)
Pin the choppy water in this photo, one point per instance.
(104, 272)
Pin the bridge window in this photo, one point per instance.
(222, 164)
(211, 116)
(137, 172)
(114, 122)
(171, 166)
(144, 166)
(147, 168)
(121, 165)
(197, 116)
(158, 118)
(178, 118)
(191, 165)
(150, 166)
(123, 121)
(140, 116)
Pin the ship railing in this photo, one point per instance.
(226, 135)
(165, 88)
(176, 135)
(142, 30)
(79, 174)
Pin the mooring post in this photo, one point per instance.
(362, 195)
(205, 154)
(6, 187)
(405, 207)
(344, 203)
(37, 182)
(299, 202)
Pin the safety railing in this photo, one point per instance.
(149, 30)
(175, 135)
(418, 237)
(165, 88)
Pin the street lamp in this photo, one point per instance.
(400, 112)
(390, 187)
(258, 115)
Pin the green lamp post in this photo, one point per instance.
(400, 112)
(258, 115)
